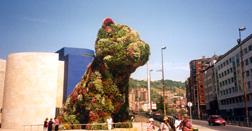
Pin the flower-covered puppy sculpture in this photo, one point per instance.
(104, 89)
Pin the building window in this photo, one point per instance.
(201, 86)
(245, 50)
(250, 47)
(249, 84)
(199, 62)
(250, 59)
(247, 73)
(200, 81)
(231, 70)
(246, 61)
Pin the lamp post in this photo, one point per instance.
(243, 78)
(164, 47)
(198, 105)
(150, 91)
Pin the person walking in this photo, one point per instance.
(50, 125)
(177, 122)
(151, 125)
(109, 121)
(185, 125)
(165, 126)
(45, 124)
(56, 124)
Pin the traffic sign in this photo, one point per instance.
(189, 104)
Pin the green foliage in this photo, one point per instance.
(170, 85)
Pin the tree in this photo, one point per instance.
(160, 105)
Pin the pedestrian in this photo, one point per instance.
(50, 125)
(151, 125)
(177, 122)
(56, 124)
(165, 126)
(109, 121)
(45, 124)
(185, 125)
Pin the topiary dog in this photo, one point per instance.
(104, 89)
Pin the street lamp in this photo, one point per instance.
(243, 78)
(163, 48)
(198, 105)
(150, 104)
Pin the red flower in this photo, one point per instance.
(80, 91)
(93, 100)
(84, 92)
(109, 30)
(107, 22)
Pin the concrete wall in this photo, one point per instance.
(30, 89)
(59, 99)
(2, 78)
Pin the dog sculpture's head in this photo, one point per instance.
(119, 46)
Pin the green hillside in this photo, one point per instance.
(173, 86)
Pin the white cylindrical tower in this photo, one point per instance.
(2, 78)
(30, 89)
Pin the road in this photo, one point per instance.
(203, 125)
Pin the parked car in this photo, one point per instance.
(216, 120)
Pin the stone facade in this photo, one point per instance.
(2, 78)
(31, 84)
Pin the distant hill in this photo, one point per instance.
(173, 86)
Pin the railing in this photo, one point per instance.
(94, 126)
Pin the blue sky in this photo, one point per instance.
(189, 29)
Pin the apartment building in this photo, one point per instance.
(196, 87)
(210, 86)
(229, 81)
